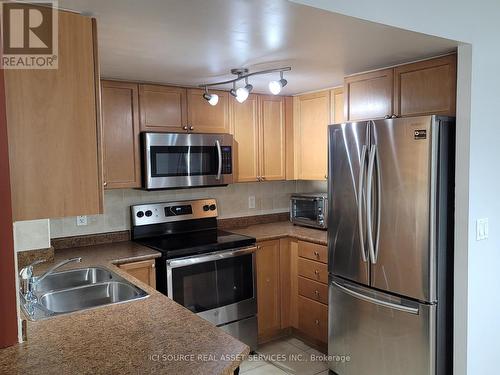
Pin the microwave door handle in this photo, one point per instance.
(219, 155)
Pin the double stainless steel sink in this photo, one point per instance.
(78, 289)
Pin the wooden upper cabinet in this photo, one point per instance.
(268, 289)
(163, 108)
(53, 124)
(312, 117)
(369, 95)
(206, 118)
(337, 105)
(245, 128)
(272, 139)
(120, 128)
(426, 87)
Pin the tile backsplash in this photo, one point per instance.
(270, 197)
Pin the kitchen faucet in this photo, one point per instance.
(28, 281)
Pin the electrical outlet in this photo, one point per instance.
(251, 201)
(482, 229)
(81, 220)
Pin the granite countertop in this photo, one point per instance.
(271, 231)
(153, 335)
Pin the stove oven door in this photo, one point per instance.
(220, 287)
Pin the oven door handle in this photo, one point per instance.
(183, 262)
(219, 154)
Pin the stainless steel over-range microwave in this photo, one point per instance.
(172, 160)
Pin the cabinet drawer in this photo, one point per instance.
(313, 251)
(313, 270)
(313, 319)
(313, 290)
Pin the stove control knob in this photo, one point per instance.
(149, 213)
(140, 214)
(206, 207)
(212, 207)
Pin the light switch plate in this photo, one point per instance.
(81, 220)
(251, 201)
(482, 229)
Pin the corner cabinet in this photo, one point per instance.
(163, 108)
(144, 271)
(416, 89)
(205, 118)
(54, 129)
(120, 128)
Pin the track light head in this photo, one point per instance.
(276, 86)
(212, 99)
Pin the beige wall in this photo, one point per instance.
(270, 197)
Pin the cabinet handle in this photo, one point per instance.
(394, 116)
(263, 178)
(317, 322)
(185, 127)
(258, 178)
(326, 177)
(153, 265)
(191, 128)
(316, 292)
(105, 184)
(316, 272)
(316, 254)
(387, 117)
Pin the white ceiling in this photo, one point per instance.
(189, 42)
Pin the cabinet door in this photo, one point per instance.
(426, 87)
(312, 116)
(163, 108)
(313, 319)
(337, 105)
(369, 95)
(206, 118)
(268, 289)
(245, 124)
(144, 271)
(272, 137)
(120, 123)
(53, 127)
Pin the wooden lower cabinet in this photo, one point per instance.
(268, 289)
(144, 271)
(313, 319)
(289, 295)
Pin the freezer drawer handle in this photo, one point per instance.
(406, 309)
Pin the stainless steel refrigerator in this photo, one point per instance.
(390, 240)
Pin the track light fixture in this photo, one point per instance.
(241, 94)
(276, 86)
(212, 99)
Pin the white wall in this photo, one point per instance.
(477, 301)
(270, 197)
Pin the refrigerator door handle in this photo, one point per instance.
(379, 205)
(369, 184)
(360, 203)
(390, 305)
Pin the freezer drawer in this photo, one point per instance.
(378, 333)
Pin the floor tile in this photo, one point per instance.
(267, 369)
(291, 359)
(251, 363)
(298, 343)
